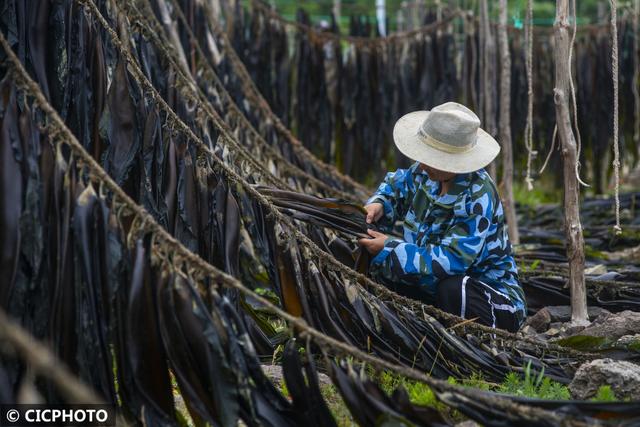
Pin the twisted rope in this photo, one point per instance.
(528, 130)
(614, 72)
(356, 40)
(44, 362)
(255, 97)
(153, 31)
(56, 126)
(328, 259)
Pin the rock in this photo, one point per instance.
(562, 313)
(274, 372)
(556, 325)
(528, 330)
(573, 330)
(540, 321)
(629, 342)
(552, 332)
(623, 377)
(614, 325)
(467, 423)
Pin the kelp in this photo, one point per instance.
(219, 105)
(378, 80)
(336, 214)
(188, 222)
(300, 291)
(204, 339)
(104, 269)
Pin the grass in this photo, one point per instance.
(542, 193)
(532, 385)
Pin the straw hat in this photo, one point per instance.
(447, 138)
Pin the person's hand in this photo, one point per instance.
(375, 211)
(375, 244)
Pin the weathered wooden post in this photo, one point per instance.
(488, 82)
(572, 226)
(505, 125)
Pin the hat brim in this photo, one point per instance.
(406, 138)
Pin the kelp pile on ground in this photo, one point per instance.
(359, 87)
(613, 260)
(136, 290)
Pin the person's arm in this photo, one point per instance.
(391, 194)
(426, 265)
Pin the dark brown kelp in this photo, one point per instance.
(379, 77)
(207, 339)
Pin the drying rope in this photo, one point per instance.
(324, 257)
(356, 40)
(614, 73)
(172, 246)
(553, 145)
(528, 130)
(255, 98)
(40, 358)
(328, 258)
(154, 31)
(636, 73)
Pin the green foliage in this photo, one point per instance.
(533, 385)
(476, 381)
(605, 394)
(543, 10)
(336, 405)
(634, 346)
(585, 342)
(530, 268)
(540, 194)
(283, 389)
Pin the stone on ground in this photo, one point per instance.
(274, 372)
(614, 325)
(623, 377)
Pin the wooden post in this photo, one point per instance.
(505, 126)
(572, 226)
(337, 11)
(488, 77)
(636, 75)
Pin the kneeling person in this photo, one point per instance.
(455, 252)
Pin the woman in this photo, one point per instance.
(455, 252)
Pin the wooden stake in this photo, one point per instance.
(488, 77)
(505, 126)
(573, 228)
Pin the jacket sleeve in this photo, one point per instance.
(392, 193)
(463, 242)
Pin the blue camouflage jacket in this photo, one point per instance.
(461, 232)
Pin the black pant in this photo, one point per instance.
(470, 298)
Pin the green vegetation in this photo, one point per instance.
(541, 193)
(605, 394)
(532, 385)
(543, 12)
